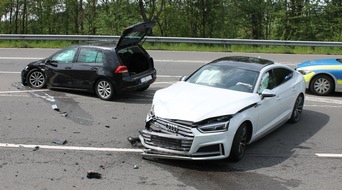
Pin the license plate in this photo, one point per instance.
(145, 79)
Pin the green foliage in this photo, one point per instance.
(311, 20)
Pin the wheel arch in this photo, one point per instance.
(332, 77)
(250, 129)
(103, 78)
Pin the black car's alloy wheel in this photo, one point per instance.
(239, 143)
(297, 109)
(104, 89)
(36, 79)
(321, 85)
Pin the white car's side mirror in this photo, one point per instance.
(267, 93)
(183, 78)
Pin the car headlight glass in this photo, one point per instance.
(217, 124)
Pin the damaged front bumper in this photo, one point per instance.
(185, 143)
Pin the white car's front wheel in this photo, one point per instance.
(297, 109)
(239, 143)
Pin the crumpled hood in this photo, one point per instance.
(193, 102)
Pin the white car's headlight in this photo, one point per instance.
(217, 124)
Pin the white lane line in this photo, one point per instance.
(23, 91)
(20, 58)
(9, 72)
(329, 155)
(5, 145)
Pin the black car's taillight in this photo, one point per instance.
(121, 69)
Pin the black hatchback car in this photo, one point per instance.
(107, 71)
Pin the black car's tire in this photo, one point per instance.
(239, 143)
(105, 90)
(321, 85)
(36, 79)
(297, 109)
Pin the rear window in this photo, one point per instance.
(89, 55)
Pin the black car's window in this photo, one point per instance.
(282, 75)
(227, 77)
(65, 56)
(88, 55)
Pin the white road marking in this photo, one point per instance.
(9, 72)
(329, 155)
(20, 58)
(7, 145)
(23, 91)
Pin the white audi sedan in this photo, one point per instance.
(221, 108)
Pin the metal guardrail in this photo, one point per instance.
(221, 41)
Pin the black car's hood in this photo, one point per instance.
(134, 34)
(37, 63)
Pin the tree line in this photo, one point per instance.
(317, 20)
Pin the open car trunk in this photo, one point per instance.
(135, 59)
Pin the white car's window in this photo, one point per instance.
(282, 75)
(227, 77)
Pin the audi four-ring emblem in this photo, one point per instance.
(172, 128)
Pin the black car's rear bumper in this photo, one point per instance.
(136, 82)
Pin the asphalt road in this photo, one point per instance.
(306, 155)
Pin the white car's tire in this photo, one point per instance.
(239, 143)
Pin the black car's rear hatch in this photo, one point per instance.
(133, 35)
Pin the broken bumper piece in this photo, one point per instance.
(182, 148)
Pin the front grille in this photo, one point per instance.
(168, 134)
(171, 127)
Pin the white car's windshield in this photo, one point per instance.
(224, 76)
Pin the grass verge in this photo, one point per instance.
(185, 47)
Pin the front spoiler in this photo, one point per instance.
(157, 152)
(146, 154)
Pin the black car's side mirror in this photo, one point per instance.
(51, 62)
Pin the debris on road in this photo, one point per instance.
(36, 148)
(60, 141)
(107, 126)
(135, 141)
(135, 167)
(93, 175)
(55, 107)
(64, 114)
